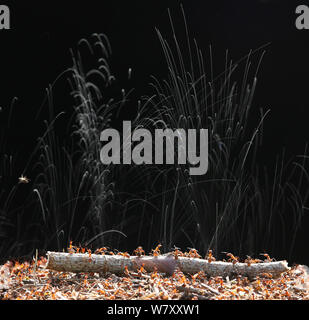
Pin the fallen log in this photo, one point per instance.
(117, 264)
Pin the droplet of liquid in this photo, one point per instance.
(129, 73)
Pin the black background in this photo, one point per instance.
(36, 50)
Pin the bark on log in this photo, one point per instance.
(67, 262)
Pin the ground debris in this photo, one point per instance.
(32, 281)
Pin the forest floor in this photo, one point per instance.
(32, 281)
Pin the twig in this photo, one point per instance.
(191, 290)
(67, 262)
